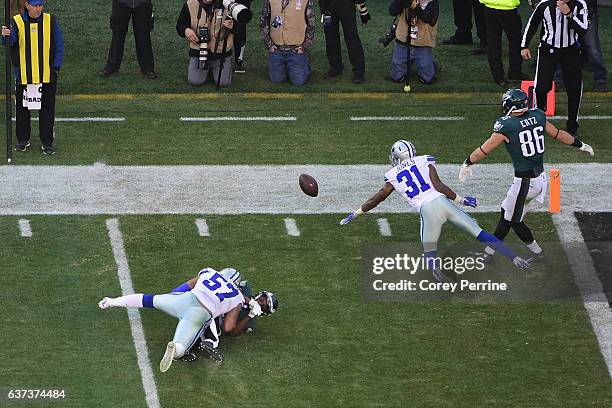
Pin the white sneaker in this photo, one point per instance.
(104, 303)
(166, 360)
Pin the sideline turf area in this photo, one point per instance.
(325, 347)
(322, 134)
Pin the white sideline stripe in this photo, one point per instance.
(202, 227)
(85, 119)
(125, 280)
(582, 117)
(403, 118)
(24, 227)
(241, 119)
(384, 227)
(585, 276)
(117, 190)
(292, 229)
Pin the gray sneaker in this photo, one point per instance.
(48, 150)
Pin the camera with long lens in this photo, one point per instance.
(203, 39)
(386, 39)
(239, 12)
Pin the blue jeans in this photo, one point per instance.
(283, 64)
(422, 57)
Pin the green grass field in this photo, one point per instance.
(325, 346)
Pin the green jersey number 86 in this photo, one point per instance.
(532, 141)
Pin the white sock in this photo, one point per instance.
(180, 350)
(489, 251)
(534, 247)
(134, 300)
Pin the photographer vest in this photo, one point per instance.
(423, 35)
(34, 50)
(214, 22)
(292, 18)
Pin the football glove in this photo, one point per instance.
(255, 309)
(587, 148)
(465, 172)
(348, 219)
(470, 201)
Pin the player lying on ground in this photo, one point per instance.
(211, 295)
(208, 341)
(416, 179)
(522, 130)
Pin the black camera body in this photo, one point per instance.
(386, 39)
(203, 39)
(326, 19)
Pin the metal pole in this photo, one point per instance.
(8, 85)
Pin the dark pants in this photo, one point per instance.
(142, 21)
(46, 115)
(343, 11)
(570, 61)
(507, 21)
(462, 12)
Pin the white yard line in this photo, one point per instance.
(202, 227)
(85, 119)
(24, 227)
(125, 280)
(100, 189)
(582, 117)
(292, 228)
(407, 118)
(241, 119)
(384, 227)
(585, 276)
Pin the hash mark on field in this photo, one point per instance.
(585, 276)
(241, 119)
(384, 227)
(292, 229)
(24, 227)
(125, 280)
(407, 118)
(202, 227)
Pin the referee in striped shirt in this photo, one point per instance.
(563, 22)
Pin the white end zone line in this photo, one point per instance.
(585, 276)
(407, 118)
(241, 119)
(85, 119)
(125, 280)
(24, 227)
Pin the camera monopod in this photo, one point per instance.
(408, 16)
(7, 87)
(225, 32)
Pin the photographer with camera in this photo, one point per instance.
(208, 26)
(415, 37)
(287, 29)
(334, 12)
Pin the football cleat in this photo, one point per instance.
(522, 264)
(400, 151)
(212, 352)
(104, 303)
(166, 360)
(189, 357)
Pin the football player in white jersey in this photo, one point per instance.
(210, 295)
(416, 179)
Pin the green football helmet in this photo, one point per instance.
(514, 100)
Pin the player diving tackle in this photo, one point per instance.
(415, 178)
(204, 297)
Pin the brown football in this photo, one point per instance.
(309, 185)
